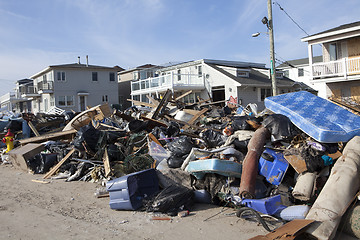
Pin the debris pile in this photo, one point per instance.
(294, 164)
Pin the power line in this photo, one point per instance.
(291, 18)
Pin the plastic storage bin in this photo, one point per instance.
(128, 192)
(273, 166)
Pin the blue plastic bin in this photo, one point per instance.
(273, 166)
(128, 192)
(269, 205)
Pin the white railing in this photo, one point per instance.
(168, 81)
(342, 67)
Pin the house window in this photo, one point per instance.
(136, 97)
(112, 77)
(60, 76)
(300, 72)
(332, 51)
(66, 101)
(200, 71)
(44, 77)
(105, 98)
(94, 76)
(265, 92)
(179, 74)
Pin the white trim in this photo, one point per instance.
(329, 34)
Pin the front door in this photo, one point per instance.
(82, 103)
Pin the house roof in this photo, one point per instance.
(299, 62)
(256, 78)
(238, 64)
(76, 66)
(345, 28)
(145, 66)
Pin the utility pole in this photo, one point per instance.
(272, 51)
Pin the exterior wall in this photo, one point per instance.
(76, 81)
(81, 82)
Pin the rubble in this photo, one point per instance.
(165, 155)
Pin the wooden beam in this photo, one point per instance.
(33, 128)
(54, 169)
(47, 137)
(153, 138)
(183, 95)
(195, 117)
(142, 103)
(162, 104)
(106, 161)
(155, 102)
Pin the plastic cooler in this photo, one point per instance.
(270, 205)
(273, 166)
(128, 192)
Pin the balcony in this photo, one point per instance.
(174, 82)
(345, 68)
(28, 92)
(11, 97)
(45, 87)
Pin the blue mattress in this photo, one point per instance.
(319, 118)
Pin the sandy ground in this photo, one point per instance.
(69, 210)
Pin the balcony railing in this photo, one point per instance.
(168, 81)
(45, 86)
(343, 67)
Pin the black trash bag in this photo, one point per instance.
(41, 163)
(241, 145)
(212, 138)
(176, 161)
(14, 126)
(88, 135)
(281, 128)
(226, 110)
(114, 153)
(138, 125)
(171, 200)
(173, 130)
(240, 123)
(180, 146)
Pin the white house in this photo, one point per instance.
(239, 82)
(338, 74)
(74, 87)
(19, 100)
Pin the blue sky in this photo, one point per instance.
(128, 33)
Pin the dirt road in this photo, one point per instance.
(69, 210)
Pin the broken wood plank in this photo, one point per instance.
(195, 117)
(162, 104)
(106, 163)
(46, 137)
(153, 138)
(154, 122)
(183, 95)
(54, 169)
(33, 128)
(142, 103)
(155, 102)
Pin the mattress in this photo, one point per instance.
(319, 118)
(223, 167)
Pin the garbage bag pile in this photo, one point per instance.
(297, 159)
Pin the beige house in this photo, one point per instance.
(338, 74)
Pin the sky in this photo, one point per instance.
(128, 33)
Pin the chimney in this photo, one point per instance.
(87, 60)
(78, 59)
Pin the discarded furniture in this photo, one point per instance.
(19, 156)
(319, 118)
